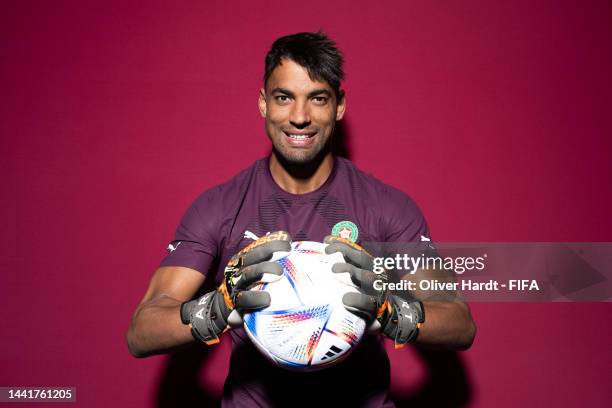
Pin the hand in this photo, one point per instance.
(210, 315)
(398, 319)
(359, 266)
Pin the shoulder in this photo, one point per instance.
(212, 206)
(400, 216)
(360, 181)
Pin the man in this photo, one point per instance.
(301, 192)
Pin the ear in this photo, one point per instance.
(263, 106)
(341, 106)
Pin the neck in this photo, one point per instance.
(300, 178)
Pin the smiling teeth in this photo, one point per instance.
(299, 137)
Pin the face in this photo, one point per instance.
(300, 113)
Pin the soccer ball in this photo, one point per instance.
(306, 327)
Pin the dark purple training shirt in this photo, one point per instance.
(228, 217)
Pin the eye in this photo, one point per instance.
(282, 99)
(320, 100)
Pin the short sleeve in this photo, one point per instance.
(403, 219)
(195, 244)
(406, 231)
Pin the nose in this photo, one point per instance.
(300, 117)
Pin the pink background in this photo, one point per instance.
(495, 118)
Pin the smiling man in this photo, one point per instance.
(301, 108)
(300, 192)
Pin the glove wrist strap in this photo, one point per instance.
(404, 320)
(205, 318)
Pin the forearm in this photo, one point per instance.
(448, 325)
(156, 327)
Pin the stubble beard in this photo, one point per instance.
(303, 164)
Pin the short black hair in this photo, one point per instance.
(314, 51)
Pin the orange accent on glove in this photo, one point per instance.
(226, 296)
(273, 236)
(386, 306)
(347, 242)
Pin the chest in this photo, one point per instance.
(307, 219)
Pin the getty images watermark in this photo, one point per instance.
(531, 271)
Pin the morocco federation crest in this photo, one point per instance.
(347, 230)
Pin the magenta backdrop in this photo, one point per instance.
(494, 117)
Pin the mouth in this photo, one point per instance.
(299, 139)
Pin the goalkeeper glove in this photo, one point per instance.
(210, 315)
(397, 318)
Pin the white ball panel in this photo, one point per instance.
(306, 326)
